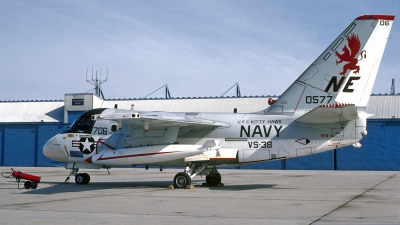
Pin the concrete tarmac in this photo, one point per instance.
(139, 196)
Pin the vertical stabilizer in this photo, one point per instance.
(344, 73)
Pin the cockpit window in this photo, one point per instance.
(84, 123)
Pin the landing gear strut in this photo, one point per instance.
(73, 173)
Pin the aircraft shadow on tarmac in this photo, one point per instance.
(60, 187)
(240, 187)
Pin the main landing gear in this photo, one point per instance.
(80, 178)
(213, 179)
(183, 179)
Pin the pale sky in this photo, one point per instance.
(199, 48)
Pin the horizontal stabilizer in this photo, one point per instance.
(330, 113)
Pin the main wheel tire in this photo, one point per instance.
(213, 179)
(218, 178)
(86, 178)
(181, 180)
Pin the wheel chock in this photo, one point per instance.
(190, 186)
(171, 186)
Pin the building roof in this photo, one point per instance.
(28, 112)
(382, 106)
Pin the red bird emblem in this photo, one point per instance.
(349, 55)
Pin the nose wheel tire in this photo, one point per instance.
(82, 178)
(181, 180)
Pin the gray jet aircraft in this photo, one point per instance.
(324, 109)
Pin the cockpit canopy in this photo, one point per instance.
(84, 123)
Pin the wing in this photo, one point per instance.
(137, 128)
(158, 119)
(330, 113)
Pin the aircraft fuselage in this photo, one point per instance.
(249, 138)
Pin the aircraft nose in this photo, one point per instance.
(53, 150)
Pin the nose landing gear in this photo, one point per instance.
(80, 178)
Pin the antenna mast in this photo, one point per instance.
(166, 91)
(97, 82)
(237, 90)
(392, 90)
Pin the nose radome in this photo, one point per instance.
(53, 150)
